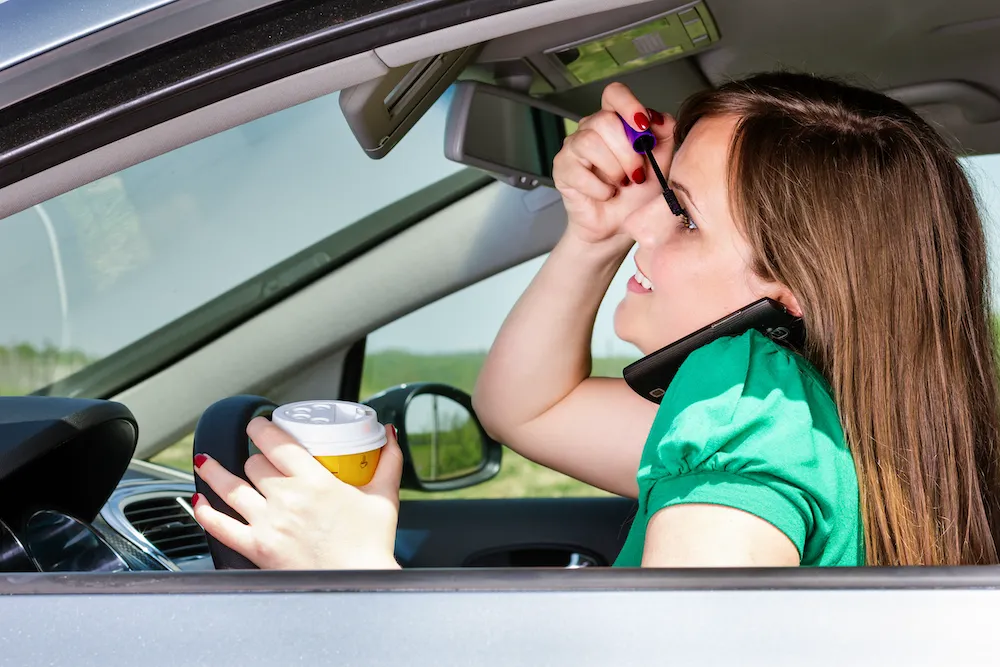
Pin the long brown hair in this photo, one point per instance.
(859, 206)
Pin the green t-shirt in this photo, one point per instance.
(748, 424)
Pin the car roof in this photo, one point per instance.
(29, 27)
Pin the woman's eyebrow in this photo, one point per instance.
(674, 185)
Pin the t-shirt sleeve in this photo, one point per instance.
(736, 429)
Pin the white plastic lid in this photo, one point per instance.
(331, 428)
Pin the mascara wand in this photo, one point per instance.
(643, 143)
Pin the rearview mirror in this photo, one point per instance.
(510, 134)
(444, 445)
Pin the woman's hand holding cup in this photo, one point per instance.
(301, 516)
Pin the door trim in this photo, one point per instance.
(507, 580)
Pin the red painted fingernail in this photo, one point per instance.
(639, 175)
(393, 427)
(641, 121)
(625, 181)
(199, 459)
(194, 499)
(657, 117)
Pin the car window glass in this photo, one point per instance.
(984, 173)
(447, 341)
(94, 270)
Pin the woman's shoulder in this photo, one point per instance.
(750, 424)
(743, 398)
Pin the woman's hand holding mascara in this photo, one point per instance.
(600, 176)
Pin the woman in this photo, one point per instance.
(877, 445)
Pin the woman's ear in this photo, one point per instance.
(778, 291)
(784, 296)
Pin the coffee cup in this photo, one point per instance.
(345, 437)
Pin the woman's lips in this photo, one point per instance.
(639, 282)
(635, 286)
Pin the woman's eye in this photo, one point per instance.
(687, 223)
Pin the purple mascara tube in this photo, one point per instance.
(643, 143)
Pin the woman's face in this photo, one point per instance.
(698, 275)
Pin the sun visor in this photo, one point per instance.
(380, 112)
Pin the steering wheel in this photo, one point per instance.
(221, 434)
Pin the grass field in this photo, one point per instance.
(518, 477)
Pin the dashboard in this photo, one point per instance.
(73, 500)
(145, 525)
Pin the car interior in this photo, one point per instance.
(410, 177)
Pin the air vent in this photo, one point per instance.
(168, 526)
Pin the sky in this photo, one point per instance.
(100, 267)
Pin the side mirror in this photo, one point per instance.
(444, 445)
(505, 132)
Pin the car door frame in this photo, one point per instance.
(835, 616)
(584, 616)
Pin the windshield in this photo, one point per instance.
(90, 272)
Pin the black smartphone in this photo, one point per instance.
(650, 376)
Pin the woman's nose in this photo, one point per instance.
(645, 224)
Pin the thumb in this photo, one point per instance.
(390, 466)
